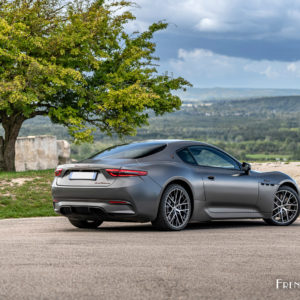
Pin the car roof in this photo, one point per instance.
(175, 144)
(171, 141)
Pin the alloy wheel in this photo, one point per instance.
(285, 207)
(177, 208)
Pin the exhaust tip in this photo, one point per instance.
(66, 210)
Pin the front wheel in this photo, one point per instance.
(92, 224)
(174, 210)
(286, 207)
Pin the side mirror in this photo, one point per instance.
(246, 167)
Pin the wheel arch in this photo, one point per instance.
(289, 184)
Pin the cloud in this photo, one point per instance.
(211, 25)
(267, 19)
(228, 43)
(291, 67)
(208, 69)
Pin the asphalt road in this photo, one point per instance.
(47, 258)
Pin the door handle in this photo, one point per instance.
(211, 177)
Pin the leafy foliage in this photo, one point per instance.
(75, 63)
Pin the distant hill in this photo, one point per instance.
(264, 125)
(217, 94)
(192, 114)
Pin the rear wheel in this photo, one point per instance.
(85, 223)
(174, 210)
(286, 207)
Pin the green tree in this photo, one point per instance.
(76, 63)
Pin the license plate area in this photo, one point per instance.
(77, 175)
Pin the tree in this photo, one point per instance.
(76, 63)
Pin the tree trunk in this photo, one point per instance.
(12, 126)
(1, 153)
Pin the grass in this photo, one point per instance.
(26, 194)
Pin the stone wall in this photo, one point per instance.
(63, 151)
(40, 152)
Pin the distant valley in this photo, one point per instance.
(254, 128)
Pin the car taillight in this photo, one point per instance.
(118, 202)
(125, 173)
(58, 172)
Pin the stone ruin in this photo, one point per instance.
(41, 152)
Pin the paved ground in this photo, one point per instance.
(46, 258)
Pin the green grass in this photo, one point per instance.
(30, 198)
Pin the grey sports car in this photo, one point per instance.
(170, 183)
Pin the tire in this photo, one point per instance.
(286, 207)
(92, 224)
(174, 210)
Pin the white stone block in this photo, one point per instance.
(36, 153)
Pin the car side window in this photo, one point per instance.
(210, 157)
(186, 156)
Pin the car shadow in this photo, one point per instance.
(213, 225)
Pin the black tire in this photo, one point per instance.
(92, 224)
(165, 218)
(295, 206)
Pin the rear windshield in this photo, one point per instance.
(130, 151)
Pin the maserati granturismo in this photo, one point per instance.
(170, 183)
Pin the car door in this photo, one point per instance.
(227, 188)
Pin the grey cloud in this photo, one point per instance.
(235, 18)
(208, 69)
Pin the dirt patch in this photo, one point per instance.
(292, 168)
(17, 181)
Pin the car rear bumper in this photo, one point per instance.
(135, 199)
(94, 210)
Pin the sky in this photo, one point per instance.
(227, 43)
